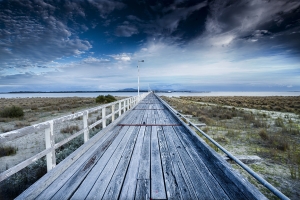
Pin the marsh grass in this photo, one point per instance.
(271, 103)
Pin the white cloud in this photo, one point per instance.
(223, 39)
(93, 60)
(122, 57)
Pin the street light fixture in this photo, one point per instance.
(139, 79)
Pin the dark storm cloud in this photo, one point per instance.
(277, 22)
(165, 18)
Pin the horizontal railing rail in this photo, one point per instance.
(265, 183)
(48, 126)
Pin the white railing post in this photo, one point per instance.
(49, 139)
(120, 110)
(104, 117)
(86, 135)
(124, 105)
(113, 112)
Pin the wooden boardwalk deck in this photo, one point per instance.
(150, 154)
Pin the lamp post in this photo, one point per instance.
(139, 79)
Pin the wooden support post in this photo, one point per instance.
(49, 137)
(120, 109)
(113, 112)
(104, 117)
(129, 105)
(86, 135)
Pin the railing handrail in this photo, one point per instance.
(261, 180)
(49, 151)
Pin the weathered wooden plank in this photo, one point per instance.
(115, 183)
(92, 177)
(176, 186)
(102, 181)
(144, 168)
(130, 182)
(157, 181)
(214, 186)
(179, 166)
(143, 189)
(201, 189)
(227, 185)
(170, 176)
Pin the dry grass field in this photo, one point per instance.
(268, 127)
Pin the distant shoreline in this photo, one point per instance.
(156, 91)
(30, 92)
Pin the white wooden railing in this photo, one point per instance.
(48, 127)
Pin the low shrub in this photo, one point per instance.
(232, 134)
(12, 112)
(22, 124)
(259, 124)
(263, 134)
(206, 120)
(70, 129)
(7, 151)
(279, 122)
(105, 99)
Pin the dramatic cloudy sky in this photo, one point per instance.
(217, 45)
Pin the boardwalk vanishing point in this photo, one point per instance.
(149, 153)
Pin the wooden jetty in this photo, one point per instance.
(148, 154)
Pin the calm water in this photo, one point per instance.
(175, 94)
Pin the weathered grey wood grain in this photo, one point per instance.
(144, 168)
(66, 184)
(176, 186)
(92, 177)
(216, 180)
(103, 179)
(214, 186)
(157, 179)
(130, 182)
(202, 190)
(171, 179)
(116, 182)
(143, 189)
